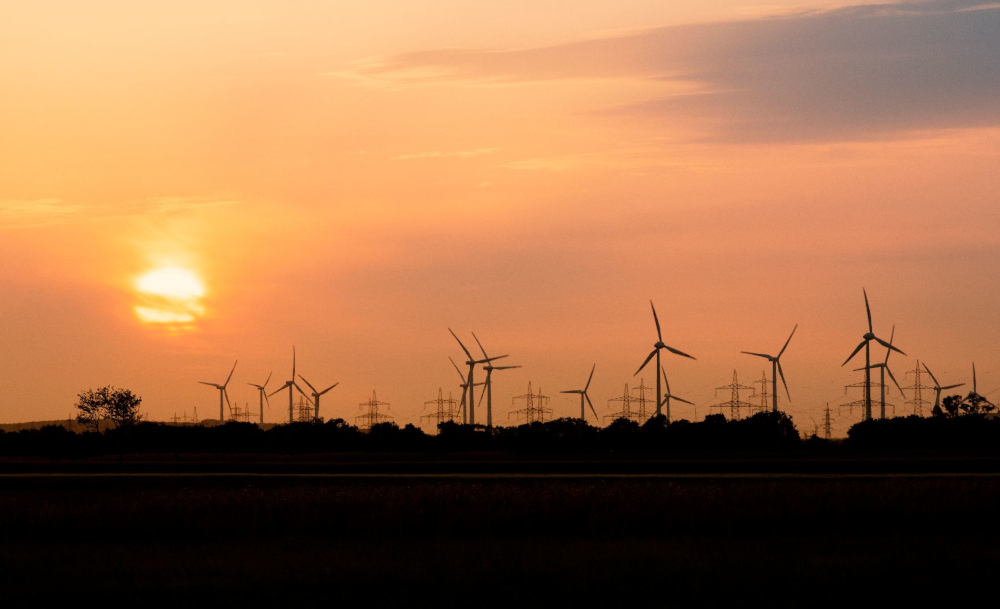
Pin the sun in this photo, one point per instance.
(170, 295)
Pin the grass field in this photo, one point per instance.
(695, 540)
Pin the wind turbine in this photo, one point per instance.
(261, 389)
(222, 390)
(776, 370)
(865, 342)
(465, 390)
(883, 368)
(974, 390)
(656, 351)
(937, 386)
(316, 394)
(584, 396)
(472, 367)
(488, 389)
(289, 385)
(668, 396)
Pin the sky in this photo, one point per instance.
(354, 179)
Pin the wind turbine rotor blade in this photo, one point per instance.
(930, 373)
(591, 377)
(505, 367)
(892, 335)
(896, 382)
(868, 310)
(307, 383)
(789, 340)
(483, 394)
(328, 388)
(268, 378)
(462, 376)
(659, 335)
(591, 404)
(460, 344)
(490, 359)
(665, 381)
(480, 345)
(889, 346)
(853, 353)
(674, 397)
(209, 384)
(782, 375)
(952, 386)
(231, 373)
(572, 391)
(678, 352)
(767, 357)
(226, 394)
(645, 362)
(974, 378)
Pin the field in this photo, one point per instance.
(299, 534)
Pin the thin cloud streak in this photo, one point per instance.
(877, 71)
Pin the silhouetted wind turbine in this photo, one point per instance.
(776, 370)
(316, 394)
(584, 396)
(488, 389)
(471, 363)
(668, 396)
(883, 368)
(465, 390)
(937, 386)
(865, 342)
(262, 390)
(289, 385)
(222, 390)
(974, 389)
(656, 352)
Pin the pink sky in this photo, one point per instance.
(355, 181)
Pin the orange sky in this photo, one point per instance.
(356, 180)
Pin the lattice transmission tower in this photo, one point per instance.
(765, 394)
(371, 414)
(626, 411)
(735, 404)
(827, 427)
(535, 407)
(918, 401)
(445, 409)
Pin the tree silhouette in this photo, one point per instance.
(120, 406)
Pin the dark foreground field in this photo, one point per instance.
(489, 539)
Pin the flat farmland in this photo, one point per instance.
(495, 538)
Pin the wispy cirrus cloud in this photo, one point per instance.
(54, 211)
(862, 72)
(439, 154)
(37, 212)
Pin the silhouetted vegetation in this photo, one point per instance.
(119, 406)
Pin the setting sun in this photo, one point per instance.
(169, 296)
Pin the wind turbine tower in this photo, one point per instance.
(866, 344)
(290, 384)
(584, 396)
(656, 352)
(668, 396)
(222, 391)
(262, 391)
(883, 368)
(776, 370)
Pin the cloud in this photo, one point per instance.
(436, 154)
(37, 212)
(862, 72)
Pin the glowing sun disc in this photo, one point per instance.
(173, 283)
